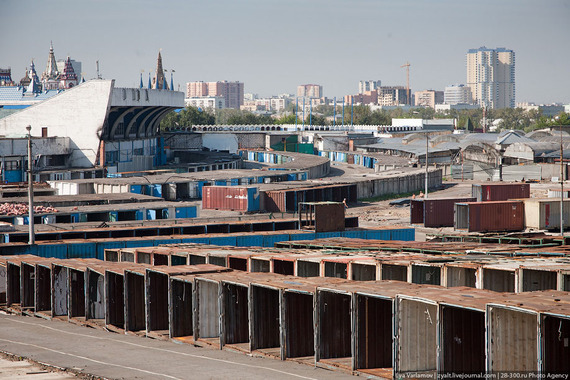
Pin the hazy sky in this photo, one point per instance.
(274, 45)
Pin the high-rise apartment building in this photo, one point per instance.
(232, 92)
(457, 94)
(491, 77)
(368, 85)
(310, 91)
(428, 98)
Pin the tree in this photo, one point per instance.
(421, 113)
(317, 120)
(287, 119)
(187, 117)
(238, 117)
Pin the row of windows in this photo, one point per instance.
(12, 165)
(112, 157)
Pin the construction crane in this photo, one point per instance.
(408, 95)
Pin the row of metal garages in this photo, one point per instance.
(350, 158)
(489, 272)
(375, 328)
(314, 166)
(174, 187)
(110, 213)
(363, 159)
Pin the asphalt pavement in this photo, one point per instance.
(117, 356)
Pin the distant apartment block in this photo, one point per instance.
(428, 98)
(491, 77)
(368, 85)
(383, 96)
(457, 94)
(279, 104)
(206, 102)
(232, 92)
(310, 91)
(266, 104)
(392, 95)
(367, 97)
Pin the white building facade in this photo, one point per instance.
(210, 102)
(368, 85)
(457, 94)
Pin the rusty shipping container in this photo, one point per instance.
(500, 191)
(434, 212)
(230, 198)
(489, 216)
(286, 200)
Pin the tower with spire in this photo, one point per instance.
(25, 81)
(159, 82)
(34, 87)
(68, 79)
(50, 77)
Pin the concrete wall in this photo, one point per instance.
(77, 113)
(335, 143)
(551, 170)
(40, 146)
(402, 184)
(131, 97)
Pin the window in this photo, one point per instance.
(11, 165)
(111, 157)
(120, 129)
(138, 151)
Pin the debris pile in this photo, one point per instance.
(15, 209)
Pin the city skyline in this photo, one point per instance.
(272, 47)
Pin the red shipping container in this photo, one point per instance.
(231, 198)
(490, 216)
(500, 191)
(435, 212)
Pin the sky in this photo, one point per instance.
(272, 46)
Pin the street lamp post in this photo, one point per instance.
(32, 238)
(427, 148)
(561, 181)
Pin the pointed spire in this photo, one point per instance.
(141, 85)
(35, 86)
(50, 72)
(159, 81)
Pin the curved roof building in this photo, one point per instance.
(107, 126)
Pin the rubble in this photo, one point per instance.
(11, 209)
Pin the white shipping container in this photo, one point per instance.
(553, 193)
(544, 214)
